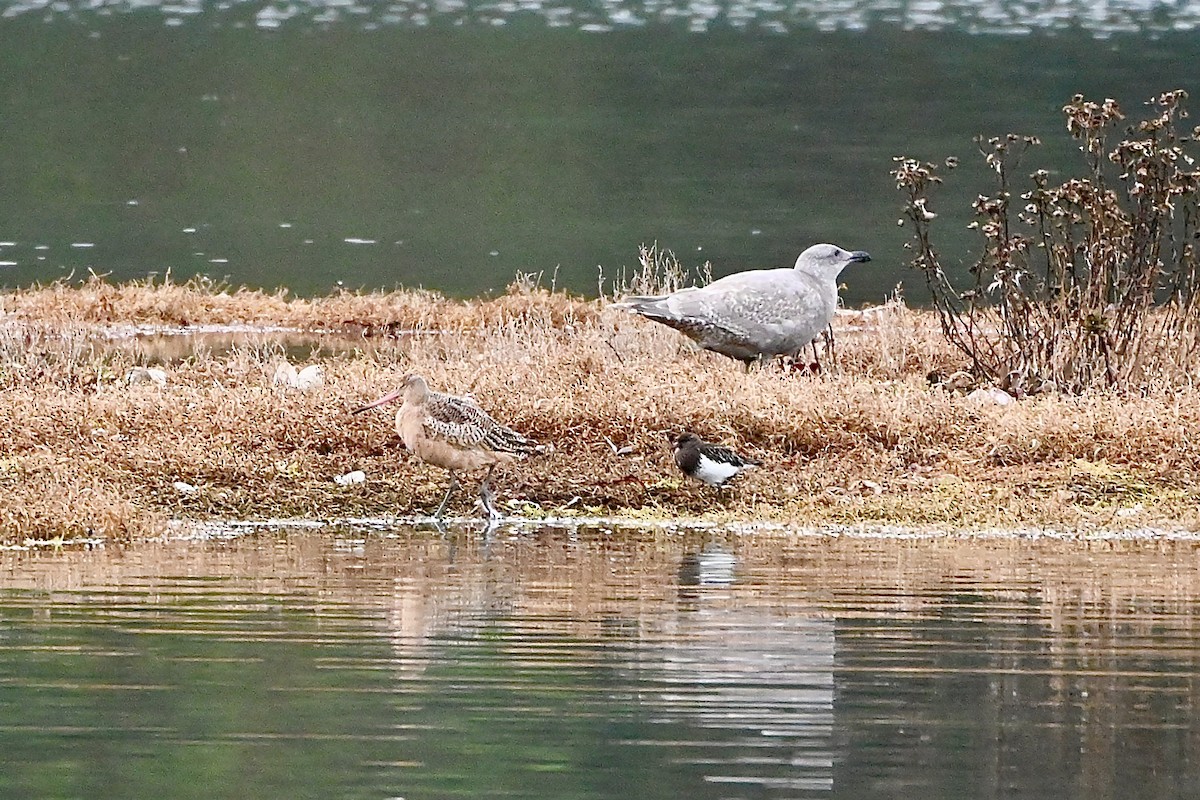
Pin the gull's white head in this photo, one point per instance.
(828, 260)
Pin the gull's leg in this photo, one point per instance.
(814, 367)
(830, 350)
(437, 515)
(758, 362)
(486, 495)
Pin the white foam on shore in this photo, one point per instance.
(231, 529)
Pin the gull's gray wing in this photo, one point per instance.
(763, 312)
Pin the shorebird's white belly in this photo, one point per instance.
(715, 472)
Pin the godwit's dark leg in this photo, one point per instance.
(486, 495)
(437, 515)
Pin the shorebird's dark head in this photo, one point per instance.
(684, 439)
(412, 388)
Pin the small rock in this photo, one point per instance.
(146, 375)
(184, 488)
(959, 382)
(304, 380)
(351, 478)
(991, 396)
(618, 451)
(285, 375)
(1131, 511)
(310, 377)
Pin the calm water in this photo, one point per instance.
(452, 144)
(556, 663)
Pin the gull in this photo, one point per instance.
(707, 462)
(758, 314)
(453, 433)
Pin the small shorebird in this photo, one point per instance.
(707, 462)
(453, 433)
(760, 313)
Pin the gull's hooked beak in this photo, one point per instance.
(387, 398)
(859, 256)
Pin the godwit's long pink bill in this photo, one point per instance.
(387, 398)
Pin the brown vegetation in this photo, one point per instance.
(867, 441)
(201, 301)
(1091, 283)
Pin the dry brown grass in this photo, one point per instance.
(868, 441)
(200, 301)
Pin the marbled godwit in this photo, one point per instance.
(757, 314)
(707, 462)
(453, 433)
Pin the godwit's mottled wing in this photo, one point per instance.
(460, 421)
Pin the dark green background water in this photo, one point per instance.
(465, 151)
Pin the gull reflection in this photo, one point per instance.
(757, 681)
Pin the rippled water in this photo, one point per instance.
(591, 662)
(1011, 17)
